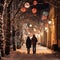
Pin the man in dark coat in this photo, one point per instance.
(34, 41)
(28, 44)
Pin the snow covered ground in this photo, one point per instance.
(42, 53)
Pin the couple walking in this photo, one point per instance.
(31, 42)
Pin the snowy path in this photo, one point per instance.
(42, 53)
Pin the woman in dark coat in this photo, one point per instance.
(28, 44)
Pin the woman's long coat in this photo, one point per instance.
(28, 43)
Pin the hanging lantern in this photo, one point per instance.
(23, 9)
(26, 5)
(34, 10)
(35, 2)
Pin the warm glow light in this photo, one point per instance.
(35, 2)
(49, 22)
(34, 29)
(28, 32)
(34, 10)
(23, 9)
(46, 28)
(52, 19)
(27, 5)
(30, 25)
(36, 35)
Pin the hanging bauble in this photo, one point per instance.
(23, 9)
(35, 2)
(34, 10)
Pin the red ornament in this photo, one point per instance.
(35, 2)
(34, 10)
(23, 9)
